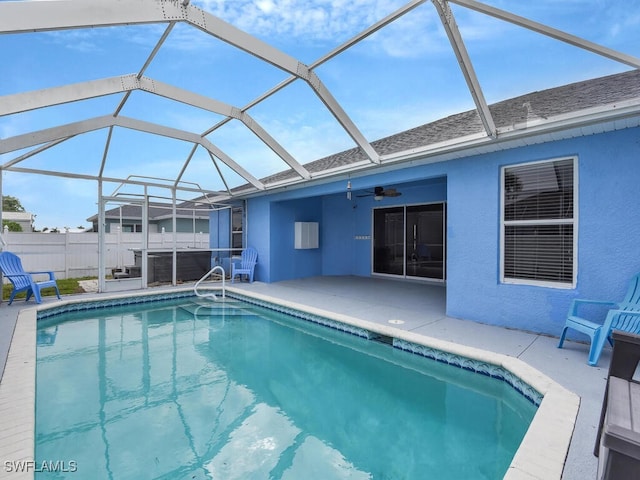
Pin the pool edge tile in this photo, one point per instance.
(17, 389)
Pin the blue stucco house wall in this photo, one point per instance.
(220, 238)
(608, 226)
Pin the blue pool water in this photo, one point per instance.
(174, 390)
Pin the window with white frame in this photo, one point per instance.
(237, 221)
(538, 231)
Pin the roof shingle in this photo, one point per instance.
(574, 97)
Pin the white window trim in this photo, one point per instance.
(548, 284)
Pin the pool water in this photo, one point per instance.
(179, 390)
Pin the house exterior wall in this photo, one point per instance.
(24, 219)
(286, 261)
(112, 225)
(270, 229)
(608, 226)
(338, 227)
(183, 225)
(259, 235)
(345, 225)
(220, 222)
(348, 224)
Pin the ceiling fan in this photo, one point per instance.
(380, 192)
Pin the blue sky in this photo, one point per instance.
(403, 76)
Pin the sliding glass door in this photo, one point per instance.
(425, 241)
(410, 241)
(388, 240)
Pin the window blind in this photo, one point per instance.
(538, 221)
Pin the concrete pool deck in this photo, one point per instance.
(416, 310)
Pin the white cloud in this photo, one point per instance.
(307, 141)
(81, 40)
(624, 22)
(329, 23)
(306, 20)
(412, 36)
(267, 6)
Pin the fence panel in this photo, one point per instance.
(75, 255)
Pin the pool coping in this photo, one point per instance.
(541, 454)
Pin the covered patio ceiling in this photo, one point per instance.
(208, 161)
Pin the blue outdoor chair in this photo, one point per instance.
(22, 281)
(247, 264)
(624, 316)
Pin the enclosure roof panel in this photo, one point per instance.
(249, 109)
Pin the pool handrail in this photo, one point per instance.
(205, 276)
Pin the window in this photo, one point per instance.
(131, 228)
(538, 223)
(236, 227)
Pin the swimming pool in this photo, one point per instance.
(533, 456)
(182, 389)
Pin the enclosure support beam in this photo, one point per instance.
(459, 48)
(550, 32)
(64, 131)
(18, 17)
(26, 101)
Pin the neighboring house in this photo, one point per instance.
(515, 226)
(189, 218)
(24, 219)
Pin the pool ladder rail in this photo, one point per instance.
(208, 292)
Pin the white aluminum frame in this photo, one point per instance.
(36, 16)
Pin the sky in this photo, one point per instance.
(403, 76)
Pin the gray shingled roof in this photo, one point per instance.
(156, 211)
(574, 97)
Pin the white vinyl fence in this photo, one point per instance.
(75, 255)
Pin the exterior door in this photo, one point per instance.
(409, 241)
(425, 241)
(388, 240)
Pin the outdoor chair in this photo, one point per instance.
(247, 264)
(22, 281)
(624, 316)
